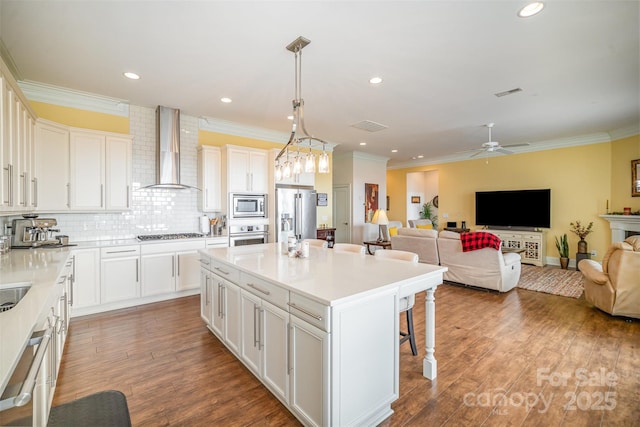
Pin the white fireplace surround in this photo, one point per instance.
(621, 225)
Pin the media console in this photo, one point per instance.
(534, 244)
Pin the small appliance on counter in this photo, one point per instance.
(32, 232)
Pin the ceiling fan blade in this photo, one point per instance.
(476, 154)
(503, 151)
(524, 144)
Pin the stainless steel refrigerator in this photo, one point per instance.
(295, 212)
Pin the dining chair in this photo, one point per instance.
(319, 243)
(348, 247)
(405, 304)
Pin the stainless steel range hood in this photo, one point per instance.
(168, 149)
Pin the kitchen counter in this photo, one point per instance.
(326, 276)
(41, 268)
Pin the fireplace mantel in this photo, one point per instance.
(621, 225)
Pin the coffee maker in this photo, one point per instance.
(31, 232)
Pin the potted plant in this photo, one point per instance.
(581, 231)
(563, 251)
(427, 213)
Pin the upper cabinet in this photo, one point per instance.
(51, 181)
(209, 179)
(100, 177)
(17, 123)
(246, 170)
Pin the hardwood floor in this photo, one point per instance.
(518, 359)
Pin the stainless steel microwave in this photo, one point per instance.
(248, 205)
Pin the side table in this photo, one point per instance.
(579, 257)
(384, 245)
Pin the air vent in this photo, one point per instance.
(369, 126)
(508, 92)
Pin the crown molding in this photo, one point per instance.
(232, 128)
(595, 138)
(625, 132)
(64, 97)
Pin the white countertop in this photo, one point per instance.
(326, 276)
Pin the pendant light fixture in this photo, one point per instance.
(298, 131)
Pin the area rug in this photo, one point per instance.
(550, 280)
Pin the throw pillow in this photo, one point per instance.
(393, 231)
(425, 226)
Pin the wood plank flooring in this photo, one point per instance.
(518, 359)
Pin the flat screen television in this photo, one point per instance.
(514, 208)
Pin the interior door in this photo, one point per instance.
(342, 213)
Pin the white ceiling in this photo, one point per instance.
(442, 62)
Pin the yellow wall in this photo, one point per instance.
(581, 180)
(81, 118)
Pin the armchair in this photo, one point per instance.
(614, 285)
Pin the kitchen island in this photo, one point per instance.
(321, 333)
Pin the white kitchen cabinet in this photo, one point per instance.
(24, 124)
(100, 173)
(86, 278)
(210, 179)
(170, 267)
(10, 149)
(226, 322)
(119, 273)
(309, 358)
(274, 341)
(251, 347)
(246, 170)
(206, 297)
(51, 180)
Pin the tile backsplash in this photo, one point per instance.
(154, 211)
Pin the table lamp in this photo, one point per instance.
(380, 218)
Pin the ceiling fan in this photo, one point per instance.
(492, 146)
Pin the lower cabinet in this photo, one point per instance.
(533, 244)
(226, 312)
(206, 297)
(86, 278)
(120, 273)
(170, 267)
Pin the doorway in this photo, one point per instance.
(342, 213)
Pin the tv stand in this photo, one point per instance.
(534, 244)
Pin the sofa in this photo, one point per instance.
(423, 223)
(485, 268)
(614, 285)
(421, 242)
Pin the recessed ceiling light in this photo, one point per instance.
(394, 151)
(375, 80)
(289, 117)
(132, 76)
(420, 156)
(225, 100)
(531, 9)
(363, 143)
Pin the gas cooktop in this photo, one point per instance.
(169, 236)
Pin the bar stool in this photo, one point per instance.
(348, 247)
(405, 304)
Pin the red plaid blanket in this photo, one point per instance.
(478, 240)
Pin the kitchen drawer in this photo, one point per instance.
(224, 270)
(217, 242)
(310, 311)
(163, 248)
(120, 251)
(265, 290)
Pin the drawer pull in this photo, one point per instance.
(204, 261)
(121, 252)
(221, 271)
(308, 313)
(251, 285)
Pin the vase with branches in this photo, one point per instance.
(581, 231)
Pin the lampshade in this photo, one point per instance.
(380, 217)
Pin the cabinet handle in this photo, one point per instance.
(173, 266)
(204, 261)
(101, 195)
(121, 252)
(308, 313)
(24, 189)
(260, 319)
(178, 264)
(256, 340)
(137, 270)
(62, 280)
(8, 181)
(68, 194)
(206, 290)
(289, 348)
(26, 391)
(11, 185)
(251, 285)
(221, 270)
(35, 192)
(128, 198)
